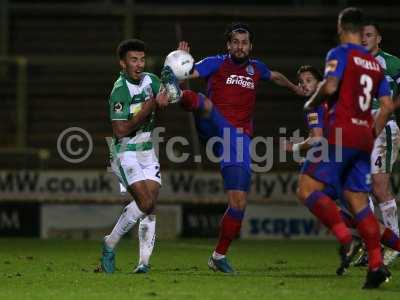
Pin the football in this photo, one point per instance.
(181, 63)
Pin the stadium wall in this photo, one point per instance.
(69, 47)
(85, 205)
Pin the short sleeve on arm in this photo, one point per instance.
(263, 69)
(335, 62)
(314, 118)
(209, 65)
(383, 88)
(396, 71)
(119, 103)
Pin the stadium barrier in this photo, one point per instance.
(191, 203)
(103, 187)
(92, 221)
(19, 219)
(178, 187)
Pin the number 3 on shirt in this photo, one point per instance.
(365, 100)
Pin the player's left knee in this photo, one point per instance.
(382, 193)
(237, 200)
(302, 193)
(238, 205)
(150, 209)
(147, 206)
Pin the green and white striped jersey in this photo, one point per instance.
(125, 101)
(391, 66)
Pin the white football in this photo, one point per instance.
(181, 63)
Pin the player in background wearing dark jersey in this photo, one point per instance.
(352, 79)
(227, 110)
(309, 78)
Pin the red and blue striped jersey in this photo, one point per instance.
(232, 87)
(361, 78)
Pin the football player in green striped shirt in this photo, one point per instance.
(386, 146)
(132, 104)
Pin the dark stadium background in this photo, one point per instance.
(57, 67)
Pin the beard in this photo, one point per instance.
(239, 60)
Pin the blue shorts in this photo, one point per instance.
(230, 145)
(351, 173)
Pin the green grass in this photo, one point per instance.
(35, 269)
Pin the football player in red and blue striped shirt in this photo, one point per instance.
(226, 112)
(352, 79)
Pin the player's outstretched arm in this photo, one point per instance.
(325, 89)
(281, 80)
(314, 137)
(123, 128)
(385, 110)
(183, 45)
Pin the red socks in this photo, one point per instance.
(229, 229)
(325, 209)
(390, 239)
(368, 227)
(348, 219)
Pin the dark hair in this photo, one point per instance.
(352, 19)
(375, 25)
(130, 45)
(238, 27)
(307, 68)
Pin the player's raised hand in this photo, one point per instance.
(162, 98)
(183, 45)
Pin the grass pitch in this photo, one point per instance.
(55, 269)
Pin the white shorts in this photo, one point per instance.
(134, 166)
(386, 148)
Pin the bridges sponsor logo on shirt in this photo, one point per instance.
(243, 81)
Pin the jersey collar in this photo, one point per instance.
(379, 53)
(352, 45)
(238, 65)
(130, 80)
